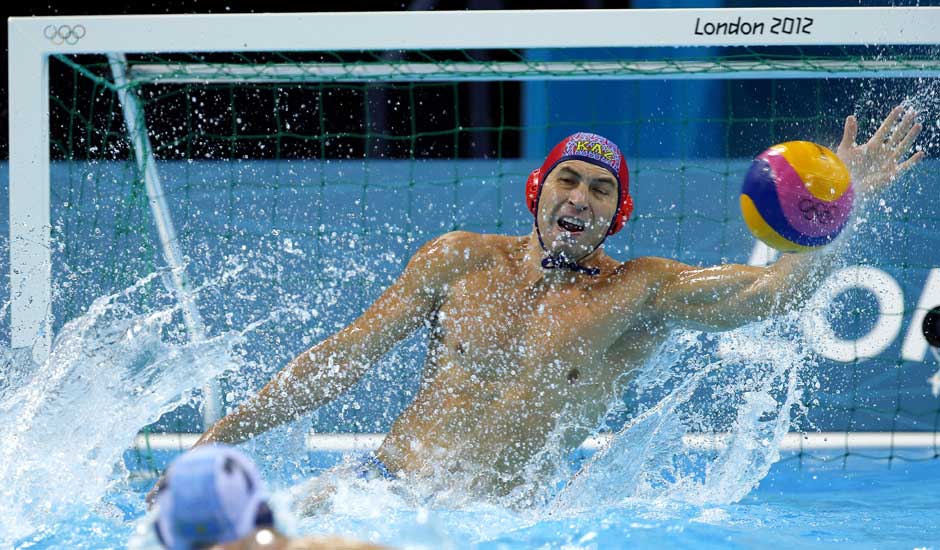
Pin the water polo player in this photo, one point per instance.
(529, 334)
(213, 496)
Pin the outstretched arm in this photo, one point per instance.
(325, 371)
(728, 296)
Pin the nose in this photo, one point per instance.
(578, 197)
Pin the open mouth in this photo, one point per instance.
(571, 224)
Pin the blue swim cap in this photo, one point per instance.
(213, 494)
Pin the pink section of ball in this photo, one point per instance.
(805, 213)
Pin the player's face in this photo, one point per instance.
(575, 208)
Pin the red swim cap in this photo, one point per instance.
(596, 150)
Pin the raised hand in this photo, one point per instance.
(878, 162)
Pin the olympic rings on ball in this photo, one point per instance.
(797, 196)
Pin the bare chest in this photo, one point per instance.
(494, 326)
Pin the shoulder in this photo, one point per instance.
(454, 240)
(466, 247)
(451, 247)
(650, 277)
(458, 252)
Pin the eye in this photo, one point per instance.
(603, 191)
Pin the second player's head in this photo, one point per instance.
(212, 495)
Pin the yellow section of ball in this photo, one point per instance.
(755, 222)
(824, 174)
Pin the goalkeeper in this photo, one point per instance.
(530, 335)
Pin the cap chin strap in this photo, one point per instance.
(559, 261)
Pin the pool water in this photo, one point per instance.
(801, 503)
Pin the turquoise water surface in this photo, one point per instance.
(800, 504)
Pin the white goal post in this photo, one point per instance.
(33, 40)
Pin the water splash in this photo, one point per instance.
(746, 384)
(127, 360)
(110, 371)
(749, 393)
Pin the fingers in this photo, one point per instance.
(908, 139)
(849, 133)
(909, 163)
(902, 130)
(882, 133)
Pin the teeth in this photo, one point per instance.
(568, 220)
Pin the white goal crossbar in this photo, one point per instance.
(204, 73)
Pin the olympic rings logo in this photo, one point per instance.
(64, 34)
(817, 212)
